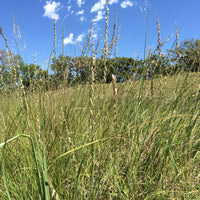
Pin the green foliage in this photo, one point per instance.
(14, 72)
(3, 67)
(158, 65)
(32, 74)
(124, 68)
(76, 70)
(187, 56)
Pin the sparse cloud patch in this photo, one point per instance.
(98, 6)
(69, 8)
(113, 1)
(94, 35)
(69, 39)
(99, 16)
(51, 9)
(82, 18)
(80, 3)
(126, 3)
(101, 4)
(80, 37)
(81, 12)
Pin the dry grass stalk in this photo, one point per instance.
(89, 39)
(9, 52)
(92, 83)
(13, 65)
(115, 96)
(86, 46)
(160, 44)
(35, 63)
(150, 68)
(106, 43)
(159, 37)
(146, 151)
(63, 60)
(10, 57)
(113, 36)
(5, 39)
(63, 41)
(151, 137)
(177, 36)
(54, 43)
(116, 43)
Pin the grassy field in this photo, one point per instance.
(84, 143)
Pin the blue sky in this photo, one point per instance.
(35, 19)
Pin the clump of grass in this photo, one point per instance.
(39, 159)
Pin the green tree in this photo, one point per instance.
(62, 68)
(158, 65)
(124, 68)
(31, 74)
(3, 67)
(15, 72)
(186, 57)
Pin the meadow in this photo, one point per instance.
(144, 147)
(135, 139)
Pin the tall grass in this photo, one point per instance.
(153, 154)
(102, 141)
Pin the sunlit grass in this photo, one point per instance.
(153, 153)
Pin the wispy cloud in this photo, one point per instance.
(80, 37)
(82, 18)
(113, 1)
(94, 35)
(99, 16)
(69, 8)
(101, 4)
(81, 12)
(98, 6)
(69, 40)
(51, 8)
(126, 3)
(80, 3)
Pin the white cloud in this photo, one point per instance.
(80, 37)
(82, 18)
(101, 4)
(69, 40)
(99, 16)
(80, 3)
(94, 35)
(69, 8)
(81, 12)
(51, 8)
(98, 6)
(113, 1)
(126, 3)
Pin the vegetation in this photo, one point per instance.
(101, 127)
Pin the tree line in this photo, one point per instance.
(78, 70)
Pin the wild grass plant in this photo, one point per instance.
(102, 141)
(153, 154)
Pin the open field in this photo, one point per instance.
(84, 143)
